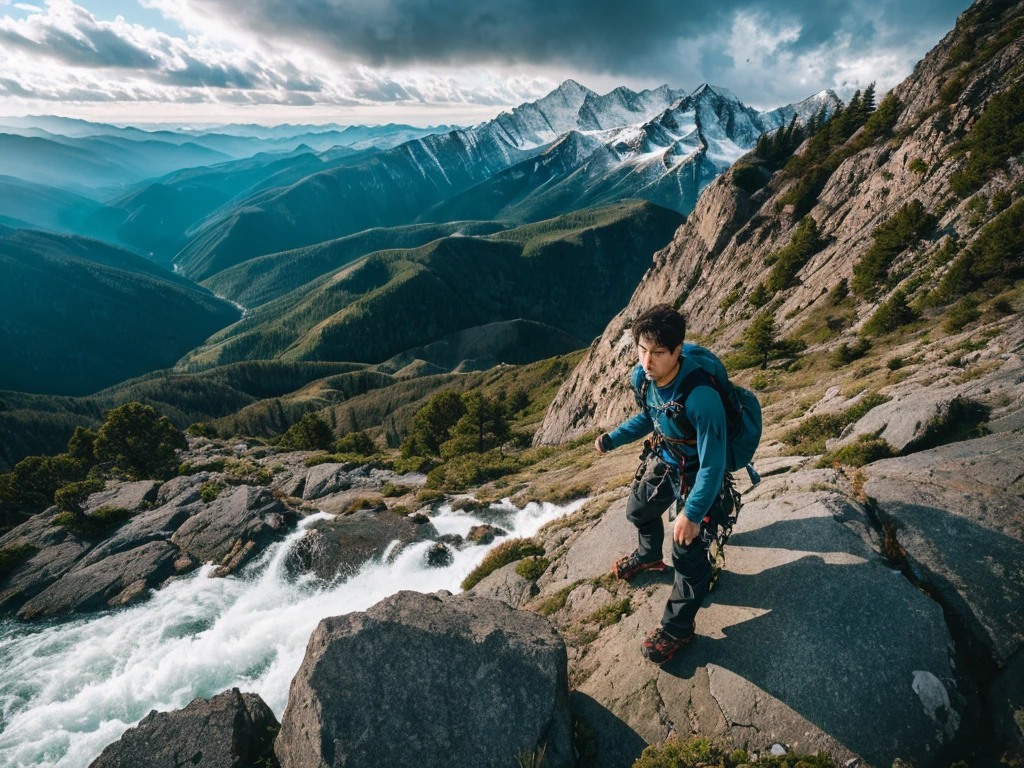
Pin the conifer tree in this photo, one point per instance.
(868, 99)
(761, 337)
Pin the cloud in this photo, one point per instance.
(485, 53)
(593, 35)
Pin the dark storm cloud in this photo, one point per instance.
(597, 35)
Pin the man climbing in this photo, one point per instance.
(685, 461)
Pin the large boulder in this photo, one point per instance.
(325, 479)
(115, 580)
(340, 546)
(506, 585)
(57, 551)
(150, 525)
(230, 730)
(908, 420)
(130, 496)
(233, 528)
(429, 680)
(955, 515)
(181, 490)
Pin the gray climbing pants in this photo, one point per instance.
(649, 497)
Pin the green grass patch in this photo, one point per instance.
(556, 602)
(210, 491)
(532, 568)
(612, 613)
(503, 554)
(864, 451)
(392, 490)
(97, 524)
(701, 752)
(845, 353)
(808, 439)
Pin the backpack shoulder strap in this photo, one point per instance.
(690, 382)
(640, 386)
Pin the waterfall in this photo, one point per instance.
(70, 687)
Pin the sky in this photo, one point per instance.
(430, 62)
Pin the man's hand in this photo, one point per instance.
(603, 444)
(685, 530)
(597, 445)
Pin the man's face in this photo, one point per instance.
(658, 361)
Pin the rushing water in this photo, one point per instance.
(69, 688)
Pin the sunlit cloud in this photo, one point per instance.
(471, 59)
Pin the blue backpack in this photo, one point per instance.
(742, 410)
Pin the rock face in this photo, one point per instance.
(807, 623)
(231, 729)
(956, 515)
(717, 257)
(429, 680)
(340, 546)
(112, 581)
(130, 496)
(325, 479)
(58, 552)
(231, 529)
(506, 585)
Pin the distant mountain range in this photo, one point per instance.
(389, 245)
(566, 273)
(559, 154)
(668, 160)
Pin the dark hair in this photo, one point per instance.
(663, 324)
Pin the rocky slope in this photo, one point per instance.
(231, 504)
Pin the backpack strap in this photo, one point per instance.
(677, 408)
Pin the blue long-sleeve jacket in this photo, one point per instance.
(704, 410)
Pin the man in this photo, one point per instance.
(679, 465)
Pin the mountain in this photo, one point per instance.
(155, 216)
(395, 186)
(668, 160)
(237, 141)
(89, 164)
(77, 315)
(38, 206)
(562, 273)
(510, 342)
(263, 279)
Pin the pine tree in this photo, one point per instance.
(868, 100)
(761, 337)
(483, 426)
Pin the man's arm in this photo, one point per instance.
(705, 411)
(631, 429)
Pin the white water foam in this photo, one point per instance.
(69, 688)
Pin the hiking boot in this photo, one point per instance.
(660, 646)
(630, 565)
